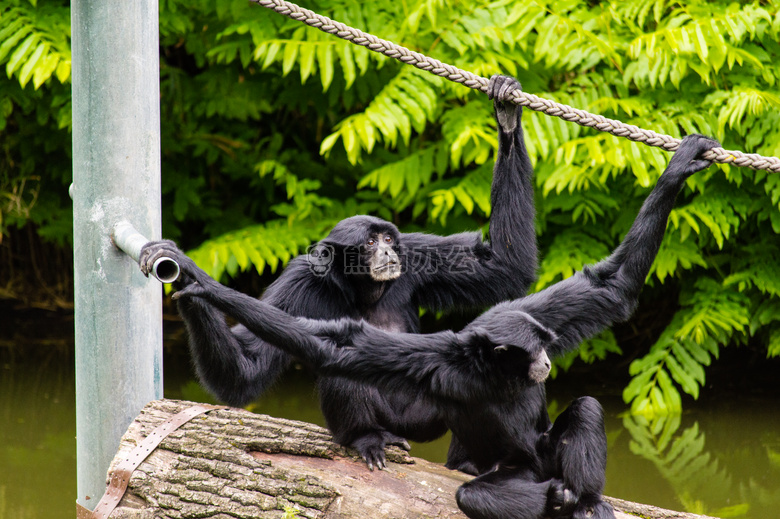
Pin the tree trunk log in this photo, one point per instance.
(231, 463)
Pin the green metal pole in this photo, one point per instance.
(116, 177)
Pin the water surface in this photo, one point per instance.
(721, 457)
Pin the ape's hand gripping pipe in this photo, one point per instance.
(126, 238)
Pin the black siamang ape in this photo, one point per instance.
(366, 269)
(487, 380)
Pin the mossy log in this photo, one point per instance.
(231, 463)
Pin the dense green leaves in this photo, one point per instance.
(34, 42)
(258, 246)
(273, 131)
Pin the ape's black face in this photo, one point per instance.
(367, 247)
(380, 257)
(516, 359)
(518, 340)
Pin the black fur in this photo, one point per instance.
(482, 379)
(459, 271)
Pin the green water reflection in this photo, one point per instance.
(723, 460)
(37, 437)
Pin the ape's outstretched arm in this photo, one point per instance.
(607, 292)
(443, 364)
(463, 271)
(233, 364)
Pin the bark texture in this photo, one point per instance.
(231, 463)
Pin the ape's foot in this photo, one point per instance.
(394, 439)
(371, 448)
(593, 508)
(561, 501)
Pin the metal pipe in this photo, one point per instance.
(126, 238)
(116, 176)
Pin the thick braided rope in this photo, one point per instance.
(519, 97)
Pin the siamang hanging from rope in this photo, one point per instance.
(366, 269)
(487, 381)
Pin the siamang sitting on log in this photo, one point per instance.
(366, 269)
(486, 381)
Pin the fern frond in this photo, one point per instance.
(713, 312)
(35, 43)
(408, 175)
(565, 41)
(710, 315)
(674, 256)
(716, 213)
(260, 246)
(569, 251)
(406, 103)
(652, 390)
(757, 267)
(469, 133)
(745, 104)
(471, 191)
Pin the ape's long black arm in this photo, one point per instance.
(232, 364)
(462, 271)
(442, 364)
(607, 292)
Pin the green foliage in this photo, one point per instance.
(591, 350)
(569, 250)
(683, 460)
(710, 315)
(273, 131)
(34, 41)
(258, 246)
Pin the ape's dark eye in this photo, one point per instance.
(371, 241)
(388, 239)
